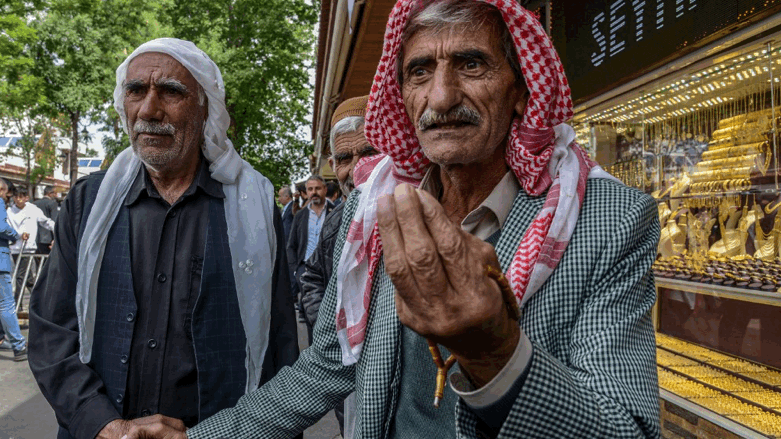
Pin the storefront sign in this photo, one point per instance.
(604, 43)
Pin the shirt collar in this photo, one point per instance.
(143, 184)
(498, 203)
(325, 207)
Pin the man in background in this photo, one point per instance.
(333, 193)
(348, 145)
(306, 230)
(25, 217)
(285, 199)
(49, 207)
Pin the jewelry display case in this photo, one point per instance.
(705, 146)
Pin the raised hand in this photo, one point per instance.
(442, 291)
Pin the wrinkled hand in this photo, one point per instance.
(442, 292)
(149, 427)
(25, 236)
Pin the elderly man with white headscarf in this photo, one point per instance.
(167, 290)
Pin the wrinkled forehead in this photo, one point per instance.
(460, 20)
(153, 66)
(351, 140)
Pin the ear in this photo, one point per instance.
(523, 99)
(331, 163)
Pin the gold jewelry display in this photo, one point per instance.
(764, 244)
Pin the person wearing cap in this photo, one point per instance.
(167, 290)
(483, 237)
(348, 146)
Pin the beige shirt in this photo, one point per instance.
(491, 214)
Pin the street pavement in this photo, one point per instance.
(25, 414)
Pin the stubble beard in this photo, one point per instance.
(347, 186)
(152, 153)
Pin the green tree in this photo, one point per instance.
(37, 146)
(264, 49)
(22, 97)
(81, 42)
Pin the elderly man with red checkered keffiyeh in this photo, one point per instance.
(479, 177)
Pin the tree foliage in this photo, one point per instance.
(58, 60)
(264, 49)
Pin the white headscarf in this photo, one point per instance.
(249, 210)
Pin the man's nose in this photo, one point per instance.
(445, 92)
(151, 107)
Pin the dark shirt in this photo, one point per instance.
(50, 209)
(167, 244)
(74, 390)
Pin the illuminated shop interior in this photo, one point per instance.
(704, 143)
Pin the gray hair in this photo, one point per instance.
(346, 126)
(444, 14)
(316, 177)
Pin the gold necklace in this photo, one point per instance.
(770, 208)
(765, 244)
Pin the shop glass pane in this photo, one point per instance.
(741, 328)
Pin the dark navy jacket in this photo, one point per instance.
(219, 349)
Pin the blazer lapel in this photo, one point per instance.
(525, 208)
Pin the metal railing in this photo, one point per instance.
(28, 267)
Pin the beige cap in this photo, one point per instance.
(350, 107)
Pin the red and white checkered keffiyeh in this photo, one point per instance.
(541, 152)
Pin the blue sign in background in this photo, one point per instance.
(605, 43)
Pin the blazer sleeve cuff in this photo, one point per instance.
(492, 403)
(92, 416)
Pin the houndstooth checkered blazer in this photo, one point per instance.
(593, 372)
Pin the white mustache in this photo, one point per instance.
(143, 127)
(459, 114)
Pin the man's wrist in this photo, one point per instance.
(481, 369)
(115, 429)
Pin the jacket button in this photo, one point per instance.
(123, 359)
(152, 343)
(161, 277)
(130, 316)
(119, 398)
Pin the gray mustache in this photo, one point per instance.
(459, 114)
(162, 129)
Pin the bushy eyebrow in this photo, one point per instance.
(367, 150)
(171, 84)
(342, 156)
(462, 55)
(418, 62)
(134, 84)
(473, 54)
(166, 83)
